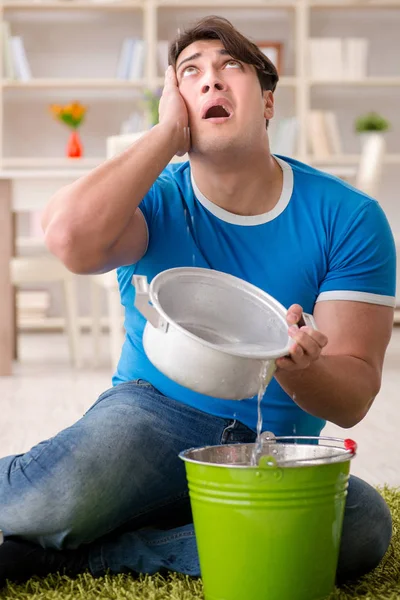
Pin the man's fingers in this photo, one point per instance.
(294, 314)
(287, 364)
(170, 77)
(310, 340)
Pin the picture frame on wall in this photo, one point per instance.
(273, 51)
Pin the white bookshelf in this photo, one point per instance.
(73, 48)
(60, 72)
(28, 163)
(59, 83)
(366, 82)
(353, 159)
(71, 5)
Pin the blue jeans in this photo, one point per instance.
(114, 481)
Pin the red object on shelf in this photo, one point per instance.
(74, 146)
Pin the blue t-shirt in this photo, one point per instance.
(323, 240)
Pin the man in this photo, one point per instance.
(110, 493)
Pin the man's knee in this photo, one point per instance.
(367, 531)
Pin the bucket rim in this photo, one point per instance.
(344, 454)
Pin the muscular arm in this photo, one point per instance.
(342, 383)
(94, 225)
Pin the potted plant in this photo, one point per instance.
(72, 115)
(372, 123)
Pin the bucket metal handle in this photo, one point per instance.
(142, 303)
(307, 319)
(349, 445)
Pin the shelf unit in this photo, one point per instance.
(60, 76)
(299, 12)
(71, 5)
(368, 81)
(166, 16)
(53, 83)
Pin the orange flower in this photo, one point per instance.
(56, 109)
(77, 110)
(71, 114)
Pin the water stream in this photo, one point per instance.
(266, 374)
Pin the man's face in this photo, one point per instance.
(226, 107)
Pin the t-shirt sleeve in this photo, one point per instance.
(152, 204)
(362, 260)
(148, 206)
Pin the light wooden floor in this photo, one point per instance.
(46, 394)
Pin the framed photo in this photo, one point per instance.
(273, 51)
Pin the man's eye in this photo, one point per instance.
(232, 63)
(188, 71)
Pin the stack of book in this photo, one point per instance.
(323, 134)
(338, 59)
(131, 59)
(135, 122)
(15, 62)
(132, 56)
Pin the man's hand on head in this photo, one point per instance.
(307, 343)
(173, 111)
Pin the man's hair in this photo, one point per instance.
(238, 46)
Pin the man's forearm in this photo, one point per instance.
(96, 208)
(339, 389)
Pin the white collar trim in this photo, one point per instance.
(228, 217)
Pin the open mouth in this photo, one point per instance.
(217, 112)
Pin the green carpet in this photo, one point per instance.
(383, 583)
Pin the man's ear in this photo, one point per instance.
(268, 98)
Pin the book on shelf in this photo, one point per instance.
(137, 60)
(355, 58)
(15, 61)
(8, 61)
(162, 55)
(134, 123)
(131, 59)
(325, 58)
(338, 58)
(323, 134)
(283, 138)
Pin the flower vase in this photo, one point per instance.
(74, 146)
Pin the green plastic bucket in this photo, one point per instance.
(271, 531)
